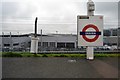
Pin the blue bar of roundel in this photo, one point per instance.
(90, 33)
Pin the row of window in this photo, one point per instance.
(113, 32)
(59, 44)
(7, 45)
(50, 44)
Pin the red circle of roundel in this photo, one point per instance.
(90, 26)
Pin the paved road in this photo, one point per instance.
(59, 68)
(0, 67)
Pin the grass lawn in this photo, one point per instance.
(0, 54)
(27, 54)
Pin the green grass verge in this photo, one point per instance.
(27, 54)
(107, 55)
(0, 54)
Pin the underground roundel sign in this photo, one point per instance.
(96, 33)
(90, 30)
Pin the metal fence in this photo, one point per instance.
(60, 50)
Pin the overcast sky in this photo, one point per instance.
(53, 15)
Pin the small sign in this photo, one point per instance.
(83, 17)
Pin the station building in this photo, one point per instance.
(53, 41)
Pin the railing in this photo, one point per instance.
(60, 50)
(82, 52)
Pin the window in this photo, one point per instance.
(6, 44)
(39, 43)
(45, 44)
(52, 44)
(60, 45)
(69, 45)
(15, 44)
(106, 32)
(114, 32)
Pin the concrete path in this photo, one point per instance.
(59, 68)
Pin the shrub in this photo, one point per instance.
(56, 56)
(10, 54)
(63, 56)
(28, 56)
(44, 55)
(35, 55)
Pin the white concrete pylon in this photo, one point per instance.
(90, 8)
(34, 40)
(34, 45)
(90, 53)
(90, 12)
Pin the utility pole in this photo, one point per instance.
(41, 39)
(118, 38)
(11, 42)
(2, 46)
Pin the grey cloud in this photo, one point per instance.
(110, 12)
(54, 13)
(119, 9)
(107, 8)
(13, 10)
(9, 9)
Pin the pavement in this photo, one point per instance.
(60, 67)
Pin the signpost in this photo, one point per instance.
(90, 30)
